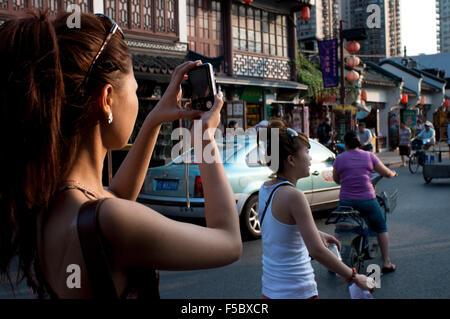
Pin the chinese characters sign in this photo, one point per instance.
(329, 62)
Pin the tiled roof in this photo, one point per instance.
(155, 64)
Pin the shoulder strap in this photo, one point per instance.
(97, 265)
(270, 198)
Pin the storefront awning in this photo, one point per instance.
(259, 82)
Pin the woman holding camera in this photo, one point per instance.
(289, 233)
(67, 96)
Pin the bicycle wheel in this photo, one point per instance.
(357, 254)
(413, 163)
(353, 255)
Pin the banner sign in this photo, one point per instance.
(328, 53)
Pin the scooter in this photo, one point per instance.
(359, 243)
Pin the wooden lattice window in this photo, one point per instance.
(204, 26)
(150, 16)
(259, 31)
(54, 6)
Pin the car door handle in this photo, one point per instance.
(315, 173)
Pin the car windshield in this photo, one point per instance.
(228, 148)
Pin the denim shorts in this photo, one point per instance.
(371, 210)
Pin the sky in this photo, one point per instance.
(418, 23)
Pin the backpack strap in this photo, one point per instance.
(97, 265)
(270, 198)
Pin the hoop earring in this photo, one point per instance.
(110, 118)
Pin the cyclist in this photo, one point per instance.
(428, 135)
(352, 170)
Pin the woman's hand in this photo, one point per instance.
(209, 120)
(365, 283)
(168, 108)
(328, 239)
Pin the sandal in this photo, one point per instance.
(386, 270)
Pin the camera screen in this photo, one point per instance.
(200, 83)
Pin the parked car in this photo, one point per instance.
(165, 187)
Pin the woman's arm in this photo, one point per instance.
(299, 209)
(381, 169)
(128, 180)
(139, 236)
(298, 206)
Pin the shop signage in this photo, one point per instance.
(328, 54)
(251, 94)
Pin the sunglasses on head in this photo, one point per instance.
(113, 28)
(292, 134)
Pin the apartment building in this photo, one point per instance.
(383, 41)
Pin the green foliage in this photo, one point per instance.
(309, 74)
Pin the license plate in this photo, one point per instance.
(166, 184)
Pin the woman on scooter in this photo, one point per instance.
(289, 233)
(352, 171)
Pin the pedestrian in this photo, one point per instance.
(231, 129)
(67, 96)
(404, 142)
(365, 136)
(352, 170)
(324, 132)
(289, 233)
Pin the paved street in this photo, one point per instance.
(420, 247)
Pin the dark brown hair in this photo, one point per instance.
(43, 118)
(287, 145)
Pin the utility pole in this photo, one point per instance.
(341, 48)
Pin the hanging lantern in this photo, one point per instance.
(352, 76)
(248, 1)
(353, 61)
(306, 13)
(404, 98)
(447, 103)
(364, 95)
(353, 47)
(330, 98)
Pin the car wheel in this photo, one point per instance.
(250, 226)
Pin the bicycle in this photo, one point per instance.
(359, 243)
(417, 158)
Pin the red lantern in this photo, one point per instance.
(447, 103)
(306, 13)
(330, 98)
(353, 61)
(353, 47)
(404, 98)
(364, 95)
(248, 1)
(352, 76)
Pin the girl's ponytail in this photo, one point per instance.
(31, 98)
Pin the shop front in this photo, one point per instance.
(344, 119)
